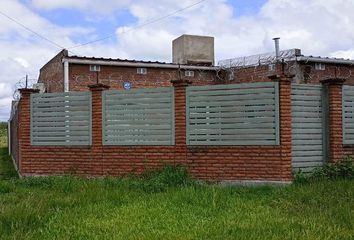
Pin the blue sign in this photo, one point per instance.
(127, 85)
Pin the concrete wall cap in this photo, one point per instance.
(98, 87)
(333, 81)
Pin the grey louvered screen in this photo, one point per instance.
(235, 114)
(61, 118)
(138, 117)
(307, 127)
(348, 114)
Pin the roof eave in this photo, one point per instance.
(324, 60)
(136, 64)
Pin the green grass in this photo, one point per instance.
(168, 205)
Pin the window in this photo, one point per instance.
(320, 66)
(189, 73)
(95, 68)
(271, 67)
(141, 71)
(231, 75)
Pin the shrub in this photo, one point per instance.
(343, 169)
(300, 176)
(338, 170)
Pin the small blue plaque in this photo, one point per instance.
(127, 85)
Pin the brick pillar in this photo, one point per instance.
(334, 99)
(285, 124)
(97, 146)
(24, 124)
(180, 120)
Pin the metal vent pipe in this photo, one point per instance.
(277, 48)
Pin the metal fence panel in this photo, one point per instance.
(138, 117)
(348, 114)
(307, 127)
(61, 118)
(235, 114)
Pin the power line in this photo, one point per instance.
(140, 26)
(32, 31)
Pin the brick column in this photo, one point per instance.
(97, 146)
(334, 99)
(180, 120)
(24, 123)
(285, 124)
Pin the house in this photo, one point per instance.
(305, 69)
(291, 112)
(75, 73)
(193, 59)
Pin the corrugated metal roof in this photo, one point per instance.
(116, 60)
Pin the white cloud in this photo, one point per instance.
(318, 27)
(23, 52)
(104, 7)
(343, 54)
(24, 63)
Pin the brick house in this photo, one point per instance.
(193, 59)
(74, 73)
(293, 112)
(305, 69)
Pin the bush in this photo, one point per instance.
(301, 177)
(3, 134)
(343, 169)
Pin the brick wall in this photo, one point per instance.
(80, 76)
(212, 163)
(303, 73)
(113, 76)
(52, 73)
(332, 71)
(250, 74)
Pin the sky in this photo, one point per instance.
(240, 28)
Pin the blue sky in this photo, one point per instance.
(106, 25)
(240, 28)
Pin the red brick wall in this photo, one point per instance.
(332, 71)
(213, 163)
(80, 76)
(337, 150)
(52, 73)
(335, 121)
(250, 74)
(304, 73)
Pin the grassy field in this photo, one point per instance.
(169, 206)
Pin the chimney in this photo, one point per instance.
(277, 48)
(193, 50)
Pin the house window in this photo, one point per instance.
(231, 75)
(320, 66)
(271, 67)
(189, 73)
(95, 68)
(141, 71)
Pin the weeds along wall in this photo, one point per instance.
(219, 133)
